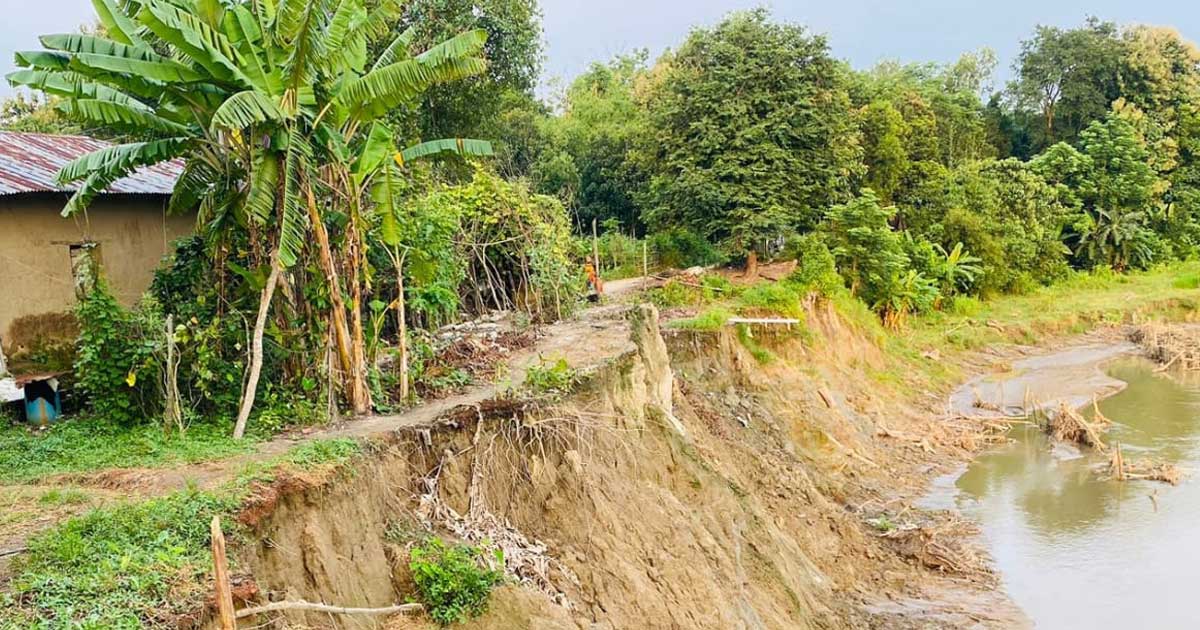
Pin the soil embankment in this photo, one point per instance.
(684, 483)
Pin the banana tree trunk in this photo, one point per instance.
(360, 397)
(256, 349)
(341, 330)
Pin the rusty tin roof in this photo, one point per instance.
(29, 162)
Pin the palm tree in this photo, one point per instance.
(273, 109)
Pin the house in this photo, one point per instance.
(45, 257)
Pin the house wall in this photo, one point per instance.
(133, 233)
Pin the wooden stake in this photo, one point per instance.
(645, 265)
(595, 249)
(225, 613)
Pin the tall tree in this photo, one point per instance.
(513, 50)
(1070, 77)
(750, 133)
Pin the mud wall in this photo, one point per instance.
(133, 233)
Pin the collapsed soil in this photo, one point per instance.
(682, 485)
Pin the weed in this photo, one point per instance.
(882, 524)
(453, 581)
(551, 377)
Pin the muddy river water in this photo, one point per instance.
(1073, 550)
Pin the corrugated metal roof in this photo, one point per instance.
(29, 162)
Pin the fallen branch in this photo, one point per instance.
(300, 604)
(12, 552)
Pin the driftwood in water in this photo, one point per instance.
(1170, 346)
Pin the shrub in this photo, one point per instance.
(816, 267)
(680, 249)
(116, 366)
(454, 582)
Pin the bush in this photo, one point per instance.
(454, 582)
(816, 267)
(778, 298)
(681, 249)
(116, 366)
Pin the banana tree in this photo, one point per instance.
(265, 104)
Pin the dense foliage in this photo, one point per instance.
(750, 133)
(909, 186)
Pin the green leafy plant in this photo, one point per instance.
(115, 365)
(453, 581)
(555, 376)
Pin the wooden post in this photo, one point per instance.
(645, 265)
(225, 613)
(595, 249)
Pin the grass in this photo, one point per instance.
(1072, 306)
(125, 566)
(709, 320)
(139, 563)
(86, 444)
(308, 456)
(64, 496)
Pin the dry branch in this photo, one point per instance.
(327, 608)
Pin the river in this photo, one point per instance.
(1074, 550)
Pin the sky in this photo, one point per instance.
(579, 32)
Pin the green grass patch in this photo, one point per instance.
(64, 496)
(712, 319)
(305, 457)
(779, 298)
(127, 566)
(137, 564)
(86, 444)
